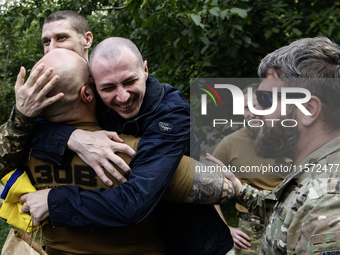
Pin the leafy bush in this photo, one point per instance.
(180, 39)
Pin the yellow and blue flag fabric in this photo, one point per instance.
(16, 184)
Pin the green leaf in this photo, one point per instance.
(36, 11)
(205, 40)
(238, 27)
(297, 31)
(215, 11)
(268, 33)
(176, 42)
(224, 14)
(204, 49)
(196, 18)
(247, 39)
(240, 12)
(275, 30)
(144, 3)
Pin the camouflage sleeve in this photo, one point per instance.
(14, 135)
(253, 199)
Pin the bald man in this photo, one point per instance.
(77, 108)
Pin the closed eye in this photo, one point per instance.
(130, 82)
(106, 88)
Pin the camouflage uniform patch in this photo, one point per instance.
(306, 215)
(252, 225)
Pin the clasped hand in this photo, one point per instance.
(97, 149)
(35, 204)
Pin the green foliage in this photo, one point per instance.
(4, 229)
(179, 39)
(230, 213)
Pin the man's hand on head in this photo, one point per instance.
(35, 204)
(97, 149)
(30, 96)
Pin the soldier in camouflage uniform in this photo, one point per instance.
(237, 149)
(305, 218)
(18, 129)
(15, 133)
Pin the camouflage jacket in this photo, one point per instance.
(305, 218)
(14, 135)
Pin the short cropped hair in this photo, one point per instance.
(77, 21)
(314, 64)
(112, 47)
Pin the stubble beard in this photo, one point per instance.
(254, 131)
(278, 141)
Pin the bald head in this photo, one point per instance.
(74, 74)
(112, 48)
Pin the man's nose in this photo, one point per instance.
(122, 94)
(257, 106)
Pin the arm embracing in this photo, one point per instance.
(159, 152)
(14, 135)
(210, 187)
(253, 199)
(49, 142)
(191, 183)
(30, 98)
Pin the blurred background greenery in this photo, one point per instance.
(180, 39)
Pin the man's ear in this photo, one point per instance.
(314, 106)
(88, 39)
(146, 70)
(86, 94)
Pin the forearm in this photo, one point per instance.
(14, 135)
(128, 204)
(210, 188)
(31, 98)
(253, 199)
(49, 142)
(155, 163)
